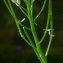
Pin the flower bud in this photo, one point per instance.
(17, 2)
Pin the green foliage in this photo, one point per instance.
(28, 12)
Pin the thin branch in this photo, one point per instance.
(51, 27)
(31, 43)
(24, 26)
(8, 7)
(41, 10)
(45, 32)
(23, 10)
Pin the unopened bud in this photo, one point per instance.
(17, 2)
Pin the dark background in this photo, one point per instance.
(13, 49)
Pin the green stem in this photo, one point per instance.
(39, 50)
(45, 32)
(51, 27)
(32, 23)
(32, 2)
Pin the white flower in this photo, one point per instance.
(22, 20)
(52, 35)
(17, 2)
(49, 32)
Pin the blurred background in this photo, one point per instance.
(13, 49)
